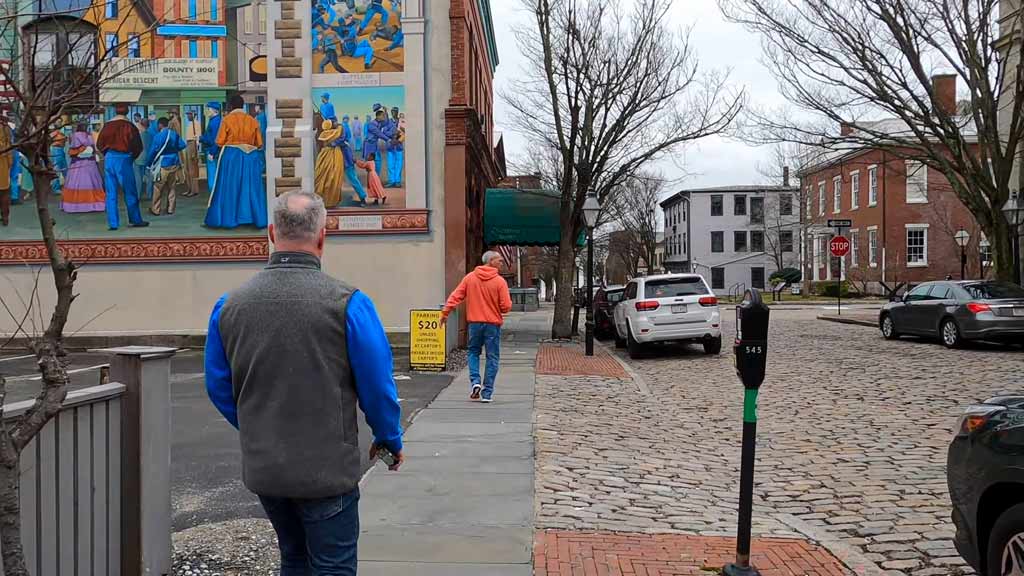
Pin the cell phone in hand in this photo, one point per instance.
(386, 456)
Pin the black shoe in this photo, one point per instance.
(142, 224)
(112, 229)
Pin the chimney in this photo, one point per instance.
(785, 176)
(944, 86)
(845, 129)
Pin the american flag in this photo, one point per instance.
(508, 253)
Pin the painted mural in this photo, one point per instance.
(360, 160)
(357, 36)
(151, 172)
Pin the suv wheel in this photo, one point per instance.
(713, 346)
(1006, 544)
(633, 347)
(888, 328)
(951, 337)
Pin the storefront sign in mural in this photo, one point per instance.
(161, 73)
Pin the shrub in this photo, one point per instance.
(789, 275)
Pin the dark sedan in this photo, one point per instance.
(985, 472)
(604, 303)
(956, 312)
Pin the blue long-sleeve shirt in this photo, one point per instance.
(169, 156)
(209, 137)
(369, 355)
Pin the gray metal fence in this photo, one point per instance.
(71, 486)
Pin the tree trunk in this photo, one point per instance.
(1001, 240)
(561, 326)
(10, 515)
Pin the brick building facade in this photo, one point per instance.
(905, 216)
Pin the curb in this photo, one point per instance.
(847, 555)
(637, 378)
(848, 320)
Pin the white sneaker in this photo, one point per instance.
(475, 394)
(486, 400)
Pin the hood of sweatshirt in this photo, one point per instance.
(485, 273)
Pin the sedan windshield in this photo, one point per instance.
(673, 287)
(615, 296)
(994, 291)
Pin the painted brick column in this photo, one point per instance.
(289, 83)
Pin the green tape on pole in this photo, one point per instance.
(750, 405)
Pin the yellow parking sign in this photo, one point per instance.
(427, 350)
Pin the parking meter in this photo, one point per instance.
(751, 350)
(751, 347)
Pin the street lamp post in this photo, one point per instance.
(1013, 210)
(962, 238)
(591, 209)
(983, 247)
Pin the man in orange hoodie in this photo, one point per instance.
(487, 300)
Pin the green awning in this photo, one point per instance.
(515, 217)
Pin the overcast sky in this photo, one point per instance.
(713, 161)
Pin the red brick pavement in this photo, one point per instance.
(558, 553)
(569, 360)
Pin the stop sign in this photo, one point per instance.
(839, 246)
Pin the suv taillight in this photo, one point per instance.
(647, 306)
(708, 301)
(975, 417)
(978, 307)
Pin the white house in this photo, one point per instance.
(736, 236)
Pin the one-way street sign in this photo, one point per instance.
(840, 223)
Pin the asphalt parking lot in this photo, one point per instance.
(206, 481)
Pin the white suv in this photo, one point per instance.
(668, 308)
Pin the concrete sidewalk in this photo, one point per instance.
(463, 503)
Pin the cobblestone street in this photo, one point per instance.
(852, 440)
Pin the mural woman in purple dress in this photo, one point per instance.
(83, 189)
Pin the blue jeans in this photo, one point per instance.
(484, 336)
(119, 172)
(317, 537)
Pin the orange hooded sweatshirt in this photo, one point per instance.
(486, 295)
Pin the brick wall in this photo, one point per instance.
(942, 215)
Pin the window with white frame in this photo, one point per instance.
(872, 185)
(821, 198)
(854, 247)
(917, 182)
(855, 190)
(917, 244)
(873, 247)
(837, 194)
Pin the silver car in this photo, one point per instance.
(956, 312)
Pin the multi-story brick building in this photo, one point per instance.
(905, 215)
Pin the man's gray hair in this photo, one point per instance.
(299, 216)
(490, 255)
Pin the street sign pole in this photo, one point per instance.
(838, 247)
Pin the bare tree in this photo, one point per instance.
(56, 71)
(848, 62)
(613, 88)
(634, 212)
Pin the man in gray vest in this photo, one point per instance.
(289, 355)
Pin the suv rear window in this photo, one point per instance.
(673, 287)
(994, 290)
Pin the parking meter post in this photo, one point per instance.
(751, 350)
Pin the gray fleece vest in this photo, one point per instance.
(284, 335)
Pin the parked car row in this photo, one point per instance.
(957, 312)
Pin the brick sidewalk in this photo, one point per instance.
(559, 553)
(569, 360)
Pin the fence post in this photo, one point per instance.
(145, 372)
